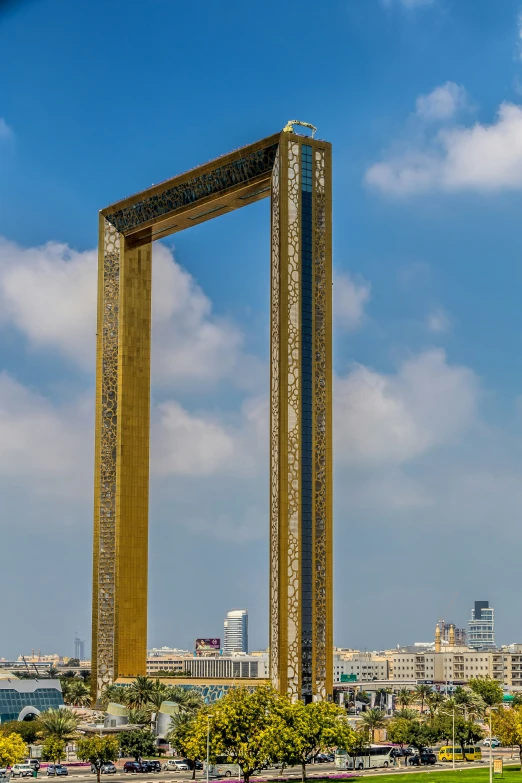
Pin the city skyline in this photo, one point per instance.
(426, 309)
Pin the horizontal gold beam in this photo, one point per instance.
(222, 185)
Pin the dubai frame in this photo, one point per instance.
(295, 171)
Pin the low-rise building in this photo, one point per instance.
(363, 666)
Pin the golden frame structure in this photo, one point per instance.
(295, 171)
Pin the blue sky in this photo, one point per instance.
(422, 101)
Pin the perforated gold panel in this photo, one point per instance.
(287, 543)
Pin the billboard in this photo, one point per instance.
(206, 646)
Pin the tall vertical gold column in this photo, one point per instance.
(301, 616)
(121, 458)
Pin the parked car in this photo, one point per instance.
(57, 769)
(134, 766)
(425, 758)
(151, 766)
(176, 765)
(35, 764)
(107, 768)
(21, 771)
(493, 742)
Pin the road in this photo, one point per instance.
(312, 771)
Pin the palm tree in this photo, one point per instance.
(406, 714)
(78, 694)
(139, 692)
(435, 701)
(372, 719)
(114, 693)
(60, 724)
(422, 694)
(52, 672)
(85, 675)
(138, 716)
(187, 701)
(405, 697)
(471, 704)
(178, 731)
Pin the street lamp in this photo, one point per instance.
(491, 746)
(208, 743)
(452, 735)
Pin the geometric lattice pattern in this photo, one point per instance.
(296, 172)
(301, 641)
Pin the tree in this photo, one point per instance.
(112, 693)
(303, 730)
(139, 692)
(238, 723)
(77, 693)
(398, 730)
(98, 750)
(466, 731)
(138, 717)
(13, 750)
(137, 743)
(405, 697)
(490, 690)
(370, 720)
(52, 672)
(58, 723)
(406, 714)
(53, 750)
(422, 694)
(179, 736)
(27, 729)
(507, 726)
(435, 702)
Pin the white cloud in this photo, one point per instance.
(438, 321)
(392, 419)
(349, 299)
(49, 444)
(49, 294)
(442, 102)
(190, 445)
(485, 158)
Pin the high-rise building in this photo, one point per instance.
(79, 648)
(295, 171)
(481, 627)
(236, 632)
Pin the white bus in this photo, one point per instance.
(222, 769)
(374, 756)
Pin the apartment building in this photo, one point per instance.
(365, 666)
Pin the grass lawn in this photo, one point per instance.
(477, 775)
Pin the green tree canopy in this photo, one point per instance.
(490, 690)
(370, 720)
(506, 724)
(238, 725)
(98, 750)
(27, 729)
(60, 724)
(301, 731)
(53, 749)
(137, 743)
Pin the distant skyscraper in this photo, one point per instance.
(481, 627)
(236, 632)
(79, 649)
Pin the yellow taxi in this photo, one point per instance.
(450, 752)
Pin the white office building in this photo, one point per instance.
(235, 638)
(481, 627)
